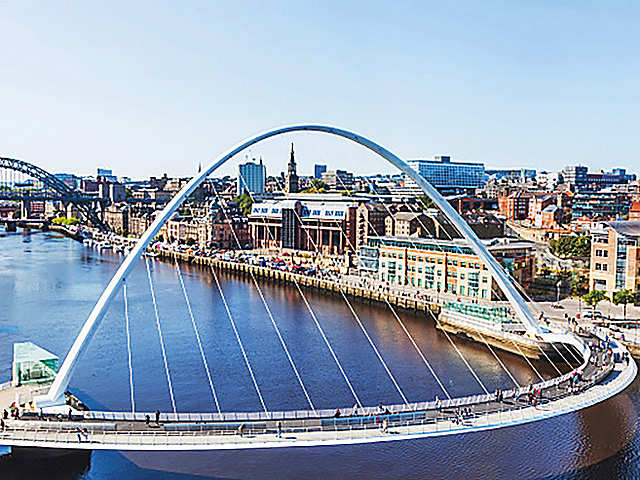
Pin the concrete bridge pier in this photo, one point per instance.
(25, 209)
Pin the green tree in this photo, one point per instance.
(65, 221)
(425, 202)
(245, 202)
(623, 297)
(571, 246)
(316, 186)
(593, 298)
(579, 284)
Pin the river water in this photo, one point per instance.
(48, 285)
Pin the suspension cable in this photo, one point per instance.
(477, 330)
(362, 327)
(547, 357)
(235, 331)
(195, 330)
(437, 321)
(498, 358)
(127, 329)
(272, 319)
(459, 353)
(418, 349)
(404, 328)
(268, 309)
(164, 353)
(528, 361)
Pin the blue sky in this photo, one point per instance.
(152, 87)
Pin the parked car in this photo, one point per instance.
(590, 315)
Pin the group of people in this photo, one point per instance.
(460, 414)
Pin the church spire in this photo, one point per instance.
(292, 184)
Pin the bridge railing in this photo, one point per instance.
(73, 434)
(459, 402)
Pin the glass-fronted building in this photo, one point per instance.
(448, 176)
(32, 364)
(252, 177)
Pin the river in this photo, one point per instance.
(49, 283)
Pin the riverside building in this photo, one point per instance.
(328, 227)
(444, 265)
(615, 257)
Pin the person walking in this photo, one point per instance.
(158, 417)
(279, 429)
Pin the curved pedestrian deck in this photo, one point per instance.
(95, 431)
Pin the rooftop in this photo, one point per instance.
(30, 352)
(630, 229)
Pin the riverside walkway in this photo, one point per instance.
(601, 377)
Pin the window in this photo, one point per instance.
(598, 266)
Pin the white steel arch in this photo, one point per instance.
(55, 396)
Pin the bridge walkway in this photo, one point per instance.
(95, 434)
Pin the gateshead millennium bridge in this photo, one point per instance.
(603, 370)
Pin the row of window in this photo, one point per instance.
(602, 253)
(439, 261)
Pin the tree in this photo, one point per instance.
(623, 297)
(579, 284)
(571, 246)
(245, 202)
(65, 221)
(316, 186)
(594, 297)
(425, 201)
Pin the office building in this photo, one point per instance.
(251, 177)
(325, 227)
(338, 179)
(448, 176)
(318, 170)
(615, 257)
(575, 176)
(445, 265)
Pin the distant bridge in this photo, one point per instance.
(24, 182)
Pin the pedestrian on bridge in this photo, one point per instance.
(158, 417)
(279, 429)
